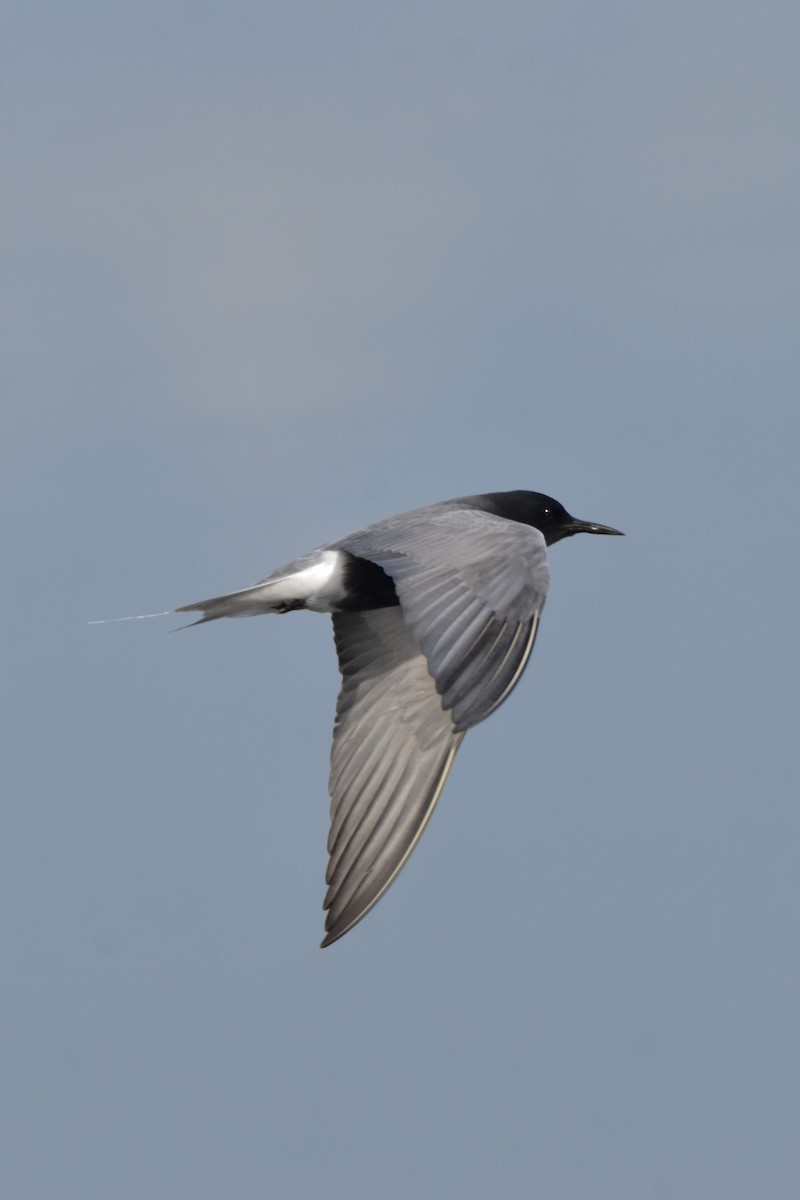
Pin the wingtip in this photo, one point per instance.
(330, 938)
(337, 929)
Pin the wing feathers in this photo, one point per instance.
(343, 917)
(415, 677)
(392, 749)
(471, 586)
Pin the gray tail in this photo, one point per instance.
(209, 616)
(247, 602)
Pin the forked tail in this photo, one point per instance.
(247, 602)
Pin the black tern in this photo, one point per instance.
(435, 613)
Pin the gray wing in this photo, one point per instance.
(471, 586)
(393, 746)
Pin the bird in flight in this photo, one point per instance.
(435, 613)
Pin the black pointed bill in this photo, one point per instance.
(591, 527)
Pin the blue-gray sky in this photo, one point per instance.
(269, 272)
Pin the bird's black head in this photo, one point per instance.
(544, 513)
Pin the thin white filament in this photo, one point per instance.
(142, 617)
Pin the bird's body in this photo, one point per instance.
(434, 613)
